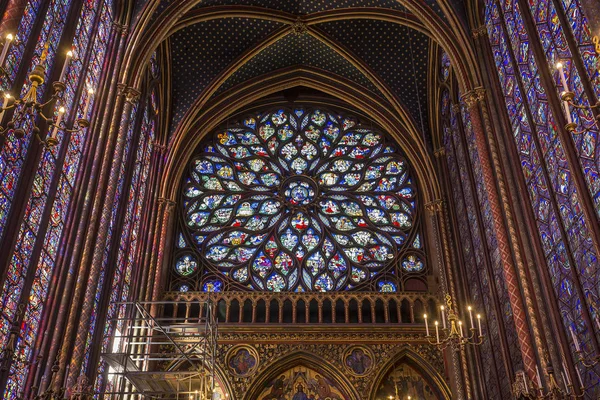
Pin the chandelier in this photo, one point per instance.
(29, 114)
(453, 333)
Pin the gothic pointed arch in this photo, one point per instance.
(410, 374)
(300, 368)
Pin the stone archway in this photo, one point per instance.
(301, 376)
(408, 374)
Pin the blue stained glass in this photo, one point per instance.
(44, 176)
(554, 42)
(325, 205)
(549, 154)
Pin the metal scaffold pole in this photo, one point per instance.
(163, 353)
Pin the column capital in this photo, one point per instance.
(439, 153)
(132, 95)
(474, 96)
(435, 206)
(168, 203)
(479, 31)
(120, 28)
(161, 148)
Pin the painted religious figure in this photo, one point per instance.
(404, 381)
(301, 383)
(359, 361)
(242, 362)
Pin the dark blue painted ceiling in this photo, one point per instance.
(399, 55)
(293, 50)
(304, 7)
(396, 54)
(201, 51)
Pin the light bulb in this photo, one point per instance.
(559, 65)
(10, 37)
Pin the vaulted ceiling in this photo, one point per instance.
(375, 44)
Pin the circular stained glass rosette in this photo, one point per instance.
(299, 200)
(186, 265)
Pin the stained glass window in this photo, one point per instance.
(554, 42)
(563, 229)
(56, 173)
(12, 157)
(299, 200)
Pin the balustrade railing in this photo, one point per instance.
(308, 308)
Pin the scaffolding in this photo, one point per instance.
(162, 352)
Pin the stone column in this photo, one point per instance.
(168, 207)
(474, 99)
(435, 210)
(95, 243)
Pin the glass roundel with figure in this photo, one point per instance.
(298, 200)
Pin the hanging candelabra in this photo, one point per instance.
(454, 334)
(568, 100)
(523, 388)
(29, 112)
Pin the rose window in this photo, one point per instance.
(299, 200)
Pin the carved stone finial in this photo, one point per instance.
(299, 27)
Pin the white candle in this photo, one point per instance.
(563, 77)
(471, 316)
(63, 73)
(9, 39)
(437, 332)
(539, 380)
(565, 382)
(443, 316)
(87, 103)
(460, 327)
(579, 377)
(66, 375)
(525, 382)
(426, 324)
(574, 337)
(479, 323)
(567, 111)
(61, 112)
(566, 374)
